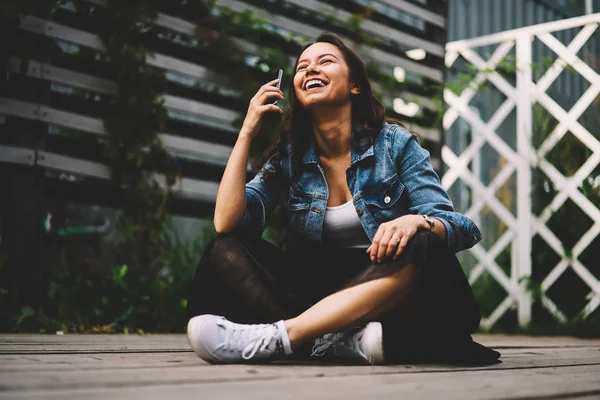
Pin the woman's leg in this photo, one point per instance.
(352, 306)
(435, 326)
(237, 278)
(423, 290)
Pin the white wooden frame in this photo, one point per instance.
(525, 226)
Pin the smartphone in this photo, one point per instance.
(279, 76)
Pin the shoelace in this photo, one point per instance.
(255, 337)
(322, 344)
(338, 343)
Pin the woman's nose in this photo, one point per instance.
(311, 68)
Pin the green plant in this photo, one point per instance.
(110, 297)
(136, 154)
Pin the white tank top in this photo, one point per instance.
(342, 228)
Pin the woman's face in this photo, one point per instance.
(323, 77)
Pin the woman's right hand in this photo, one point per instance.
(259, 105)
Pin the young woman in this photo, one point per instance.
(368, 273)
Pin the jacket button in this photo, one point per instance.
(316, 210)
(387, 199)
(359, 210)
(351, 172)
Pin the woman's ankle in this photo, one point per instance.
(294, 333)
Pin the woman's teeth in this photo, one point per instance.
(314, 84)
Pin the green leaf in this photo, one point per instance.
(25, 313)
(123, 271)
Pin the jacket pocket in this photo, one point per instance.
(384, 201)
(298, 205)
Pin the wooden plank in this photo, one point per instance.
(504, 341)
(69, 371)
(158, 366)
(39, 344)
(179, 341)
(30, 363)
(249, 384)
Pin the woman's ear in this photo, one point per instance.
(355, 89)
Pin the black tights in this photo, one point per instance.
(253, 281)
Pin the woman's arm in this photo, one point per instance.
(231, 201)
(426, 195)
(231, 196)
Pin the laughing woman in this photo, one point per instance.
(369, 272)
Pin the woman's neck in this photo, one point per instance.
(332, 135)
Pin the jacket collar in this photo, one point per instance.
(310, 157)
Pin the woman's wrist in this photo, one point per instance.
(244, 135)
(427, 222)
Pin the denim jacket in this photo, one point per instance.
(391, 178)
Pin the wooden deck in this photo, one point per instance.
(163, 367)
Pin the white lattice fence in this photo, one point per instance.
(521, 97)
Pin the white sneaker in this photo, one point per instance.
(219, 341)
(361, 345)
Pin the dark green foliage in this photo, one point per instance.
(83, 297)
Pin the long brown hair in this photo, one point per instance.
(367, 111)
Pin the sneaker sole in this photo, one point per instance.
(193, 327)
(372, 342)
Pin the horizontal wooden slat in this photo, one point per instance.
(195, 107)
(38, 112)
(312, 32)
(204, 150)
(379, 30)
(63, 32)
(17, 155)
(191, 188)
(173, 64)
(71, 164)
(49, 72)
(391, 60)
(56, 74)
(417, 11)
(19, 108)
(71, 120)
(209, 152)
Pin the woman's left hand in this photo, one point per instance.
(392, 236)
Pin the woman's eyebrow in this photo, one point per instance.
(321, 56)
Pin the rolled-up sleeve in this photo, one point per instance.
(263, 194)
(426, 195)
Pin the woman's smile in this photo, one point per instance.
(314, 84)
(322, 76)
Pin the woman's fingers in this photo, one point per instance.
(375, 245)
(268, 87)
(272, 83)
(260, 104)
(270, 95)
(384, 244)
(401, 246)
(394, 241)
(269, 107)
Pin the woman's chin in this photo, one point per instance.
(320, 101)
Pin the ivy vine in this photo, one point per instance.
(134, 150)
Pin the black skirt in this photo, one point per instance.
(250, 280)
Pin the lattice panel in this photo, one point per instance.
(522, 228)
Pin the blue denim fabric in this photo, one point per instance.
(391, 178)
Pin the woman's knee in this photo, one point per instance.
(222, 251)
